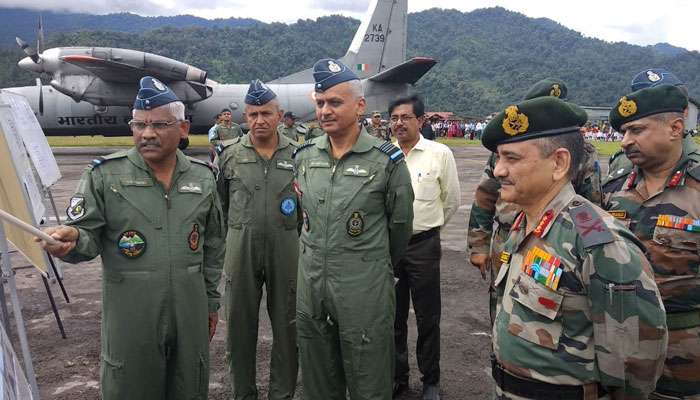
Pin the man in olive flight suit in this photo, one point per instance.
(290, 128)
(578, 314)
(262, 245)
(356, 197)
(154, 216)
(224, 130)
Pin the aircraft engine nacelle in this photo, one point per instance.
(109, 76)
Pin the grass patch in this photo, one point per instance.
(102, 141)
(458, 142)
(606, 148)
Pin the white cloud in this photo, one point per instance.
(641, 22)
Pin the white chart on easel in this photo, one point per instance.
(33, 138)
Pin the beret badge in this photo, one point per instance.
(627, 107)
(514, 122)
(556, 91)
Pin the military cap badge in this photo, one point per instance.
(653, 76)
(333, 67)
(626, 107)
(556, 91)
(515, 122)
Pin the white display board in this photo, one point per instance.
(21, 161)
(33, 137)
(13, 383)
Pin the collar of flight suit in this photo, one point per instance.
(677, 177)
(363, 144)
(552, 210)
(182, 164)
(282, 141)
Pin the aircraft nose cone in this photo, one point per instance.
(28, 65)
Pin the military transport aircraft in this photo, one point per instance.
(92, 88)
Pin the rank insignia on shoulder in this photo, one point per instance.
(394, 153)
(590, 226)
(193, 238)
(132, 244)
(97, 162)
(505, 257)
(306, 145)
(356, 224)
(618, 214)
(543, 267)
(76, 209)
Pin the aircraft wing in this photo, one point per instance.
(108, 71)
(407, 72)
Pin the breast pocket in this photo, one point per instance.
(535, 313)
(676, 251)
(240, 199)
(427, 189)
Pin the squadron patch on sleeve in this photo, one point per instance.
(355, 224)
(132, 244)
(193, 238)
(76, 209)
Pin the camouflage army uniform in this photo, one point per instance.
(675, 256)
(490, 218)
(380, 132)
(602, 329)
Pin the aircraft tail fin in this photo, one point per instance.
(380, 41)
(407, 72)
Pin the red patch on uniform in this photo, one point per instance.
(297, 190)
(550, 304)
(544, 223)
(676, 179)
(193, 239)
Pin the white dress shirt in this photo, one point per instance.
(435, 184)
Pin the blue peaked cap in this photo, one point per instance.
(653, 77)
(259, 93)
(329, 72)
(153, 93)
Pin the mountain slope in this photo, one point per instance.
(488, 57)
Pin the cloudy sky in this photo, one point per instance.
(640, 22)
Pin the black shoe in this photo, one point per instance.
(399, 387)
(431, 392)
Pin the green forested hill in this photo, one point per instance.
(488, 57)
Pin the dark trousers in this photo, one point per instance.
(419, 279)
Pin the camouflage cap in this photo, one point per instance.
(547, 87)
(329, 72)
(376, 114)
(152, 94)
(531, 119)
(259, 93)
(289, 114)
(646, 102)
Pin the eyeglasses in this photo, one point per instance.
(403, 118)
(158, 126)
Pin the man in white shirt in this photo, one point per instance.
(436, 188)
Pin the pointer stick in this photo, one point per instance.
(4, 215)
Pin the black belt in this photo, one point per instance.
(421, 236)
(536, 390)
